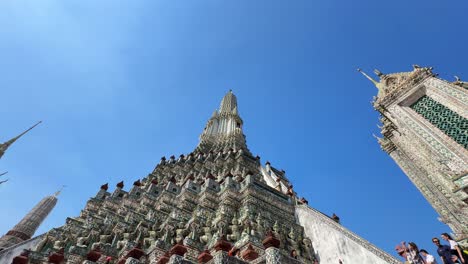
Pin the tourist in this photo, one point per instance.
(413, 256)
(454, 247)
(443, 251)
(427, 257)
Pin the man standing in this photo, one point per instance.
(427, 257)
(443, 251)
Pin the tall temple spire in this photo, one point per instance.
(57, 193)
(219, 185)
(223, 130)
(26, 228)
(229, 103)
(4, 146)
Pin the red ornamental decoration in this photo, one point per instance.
(233, 252)
(120, 185)
(22, 258)
(164, 259)
(135, 253)
(303, 201)
(249, 254)
(137, 183)
(105, 187)
(154, 181)
(178, 249)
(57, 257)
(335, 218)
(222, 244)
(204, 256)
(270, 241)
(93, 255)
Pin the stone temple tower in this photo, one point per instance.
(425, 130)
(26, 228)
(217, 204)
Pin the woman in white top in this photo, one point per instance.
(456, 250)
(427, 257)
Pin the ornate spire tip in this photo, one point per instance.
(57, 193)
(376, 83)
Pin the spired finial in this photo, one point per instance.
(59, 191)
(228, 103)
(376, 83)
(460, 83)
(26, 131)
(4, 146)
(378, 73)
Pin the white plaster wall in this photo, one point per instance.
(7, 255)
(332, 242)
(267, 178)
(270, 178)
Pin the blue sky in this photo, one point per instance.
(118, 84)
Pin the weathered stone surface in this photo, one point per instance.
(7, 255)
(431, 158)
(206, 202)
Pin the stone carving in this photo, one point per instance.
(420, 146)
(199, 206)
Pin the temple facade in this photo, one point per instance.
(216, 204)
(425, 130)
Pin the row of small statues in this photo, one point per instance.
(203, 233)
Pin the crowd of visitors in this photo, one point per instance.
(452, 253)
